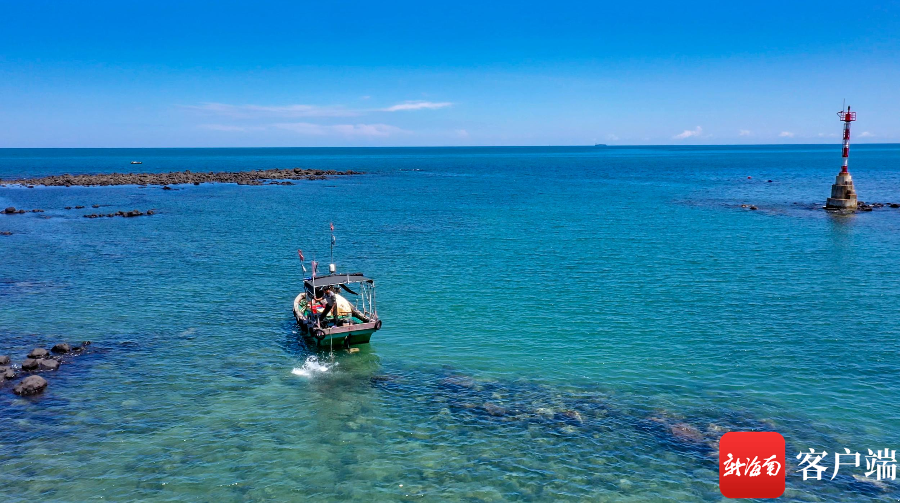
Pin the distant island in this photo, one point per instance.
(599, 144)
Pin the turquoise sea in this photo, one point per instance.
(550, 314)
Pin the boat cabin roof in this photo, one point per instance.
(338, 279)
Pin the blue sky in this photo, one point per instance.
(204, 74)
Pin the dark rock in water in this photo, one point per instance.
(6, 374)
(4, 360)
(31, 385)
(10, 210)
(79, 207)
(5, 233)
(196, 183)
(48, 364)
(95, 206)
(37, 211)
(30, 364)
(571, 416)
(754, 208)
(38, 353)
(769, 181)
(894, 205)
(458, 382)
(166, 187)
(68, 207)
(150, 212)
(686, 433)
(494, 409)
(62, 347)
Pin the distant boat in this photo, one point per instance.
(599, 144)
(136, 162)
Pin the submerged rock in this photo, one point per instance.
(494, 409)
(458, 382)
(31, 385)
(10, 210)
(5, 233)
(571, 416)
(38, 353)
(686, 433)
(62, 347)
(48, 364)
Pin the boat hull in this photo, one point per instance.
(346, 335)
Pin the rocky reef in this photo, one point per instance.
(38, 361)
(254, 177)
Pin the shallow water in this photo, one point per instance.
(621, 283)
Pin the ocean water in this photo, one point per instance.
(549, 314)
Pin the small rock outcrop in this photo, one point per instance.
(31, 385)
(38, 353)
(62, 347)
(30, 364)
(48, 364)
(4, 360)
(6, 374)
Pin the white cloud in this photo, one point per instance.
(687, 133)
(612, 137)
(744, 132)
(256, 111)
(356, 130)
(222, 127)
(416, 105)
(462, 133)
(786, 134)
(866, 134)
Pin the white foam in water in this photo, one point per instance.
(312, 367)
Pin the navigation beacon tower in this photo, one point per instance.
(843, 195)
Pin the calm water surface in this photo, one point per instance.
(517, 286)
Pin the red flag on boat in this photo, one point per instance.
(300, 254)
(314, 266)
(332, 226)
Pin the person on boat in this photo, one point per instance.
(329, 300)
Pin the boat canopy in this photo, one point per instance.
(338, 279)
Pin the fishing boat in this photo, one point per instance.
(353, 318)
(137, 162)
(338, 309)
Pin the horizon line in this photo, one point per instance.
(600, 145)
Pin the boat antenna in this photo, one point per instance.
(331, 265)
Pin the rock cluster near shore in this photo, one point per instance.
(254, 177)
(38, 360)
(14, 211)
(132, 213)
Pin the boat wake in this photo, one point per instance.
(311, 367)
